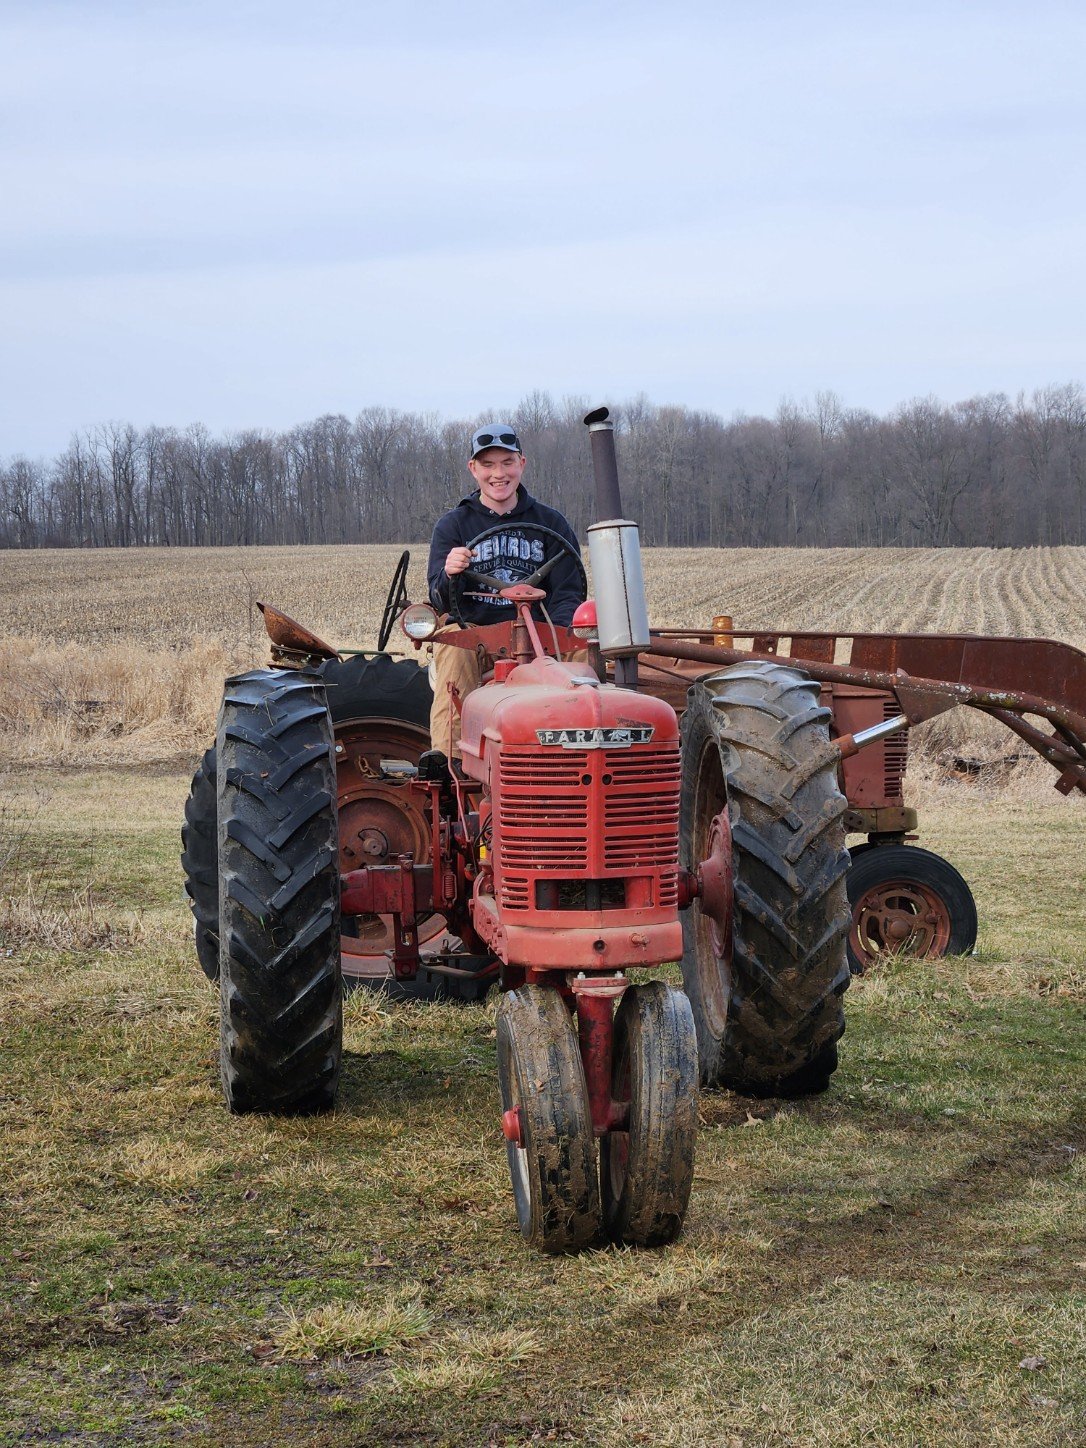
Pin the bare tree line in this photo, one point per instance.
(986, 472)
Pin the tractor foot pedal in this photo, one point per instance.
(433, 767)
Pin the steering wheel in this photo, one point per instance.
(396, 601)
(472, 575)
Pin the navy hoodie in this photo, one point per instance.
(512, 555)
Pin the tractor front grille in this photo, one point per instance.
(588, 813)
(514, 893)
(535, 770)
(641, 809)
(543, 811)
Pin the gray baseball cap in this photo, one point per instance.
(495, 434)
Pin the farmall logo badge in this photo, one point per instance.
(597, 738)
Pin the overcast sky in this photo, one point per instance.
(252, 214)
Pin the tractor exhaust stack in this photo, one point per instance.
(614, 548)
(601, 433)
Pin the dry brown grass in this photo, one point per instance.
(119, 655)
(349, 1330)
(30, 915)
(60, 702)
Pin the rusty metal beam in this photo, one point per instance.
(922, 698)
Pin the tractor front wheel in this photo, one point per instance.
(550, 1145)
(907, 901)
(647, 1171)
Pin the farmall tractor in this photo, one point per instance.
(583, 837)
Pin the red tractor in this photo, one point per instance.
(584, 836)
(552, 860)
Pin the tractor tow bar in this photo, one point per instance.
(402, 890)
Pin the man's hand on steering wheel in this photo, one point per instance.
(464, 573)
(458, 559)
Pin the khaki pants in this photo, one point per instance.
(464, 668)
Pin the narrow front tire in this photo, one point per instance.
(553, 1165)
(647, 1170)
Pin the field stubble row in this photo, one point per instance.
(112, 655)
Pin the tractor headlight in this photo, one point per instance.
(419, 621)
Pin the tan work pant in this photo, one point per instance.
(463, 668)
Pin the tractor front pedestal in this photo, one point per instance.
(596, 997)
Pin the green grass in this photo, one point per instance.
(873, 1266)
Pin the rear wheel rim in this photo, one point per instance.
(713, 953)
(378, 820)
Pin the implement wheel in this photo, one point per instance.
(907, 901)
(282, 1022)
(646, 1172)
(767, 1000)
(552, 1151)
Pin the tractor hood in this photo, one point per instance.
(549, 706)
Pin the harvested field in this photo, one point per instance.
(118, 655)
(900, 1260)
(169, 596)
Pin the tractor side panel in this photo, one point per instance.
(873, 778)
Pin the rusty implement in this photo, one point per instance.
(1017, 681)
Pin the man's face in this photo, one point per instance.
(497, 472)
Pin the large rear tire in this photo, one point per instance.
(380, 707)
(378, 687)
(769, 1012)
(281, 991)
(200, 863)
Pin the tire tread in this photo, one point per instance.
(789, 966)
(278, 903)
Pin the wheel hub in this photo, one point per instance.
(379, 819)
(715, 906)
(511, 1127)
(900, 917)
(715, 879)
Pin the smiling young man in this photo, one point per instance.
(497, 464)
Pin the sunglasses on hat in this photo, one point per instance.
(485, 439)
